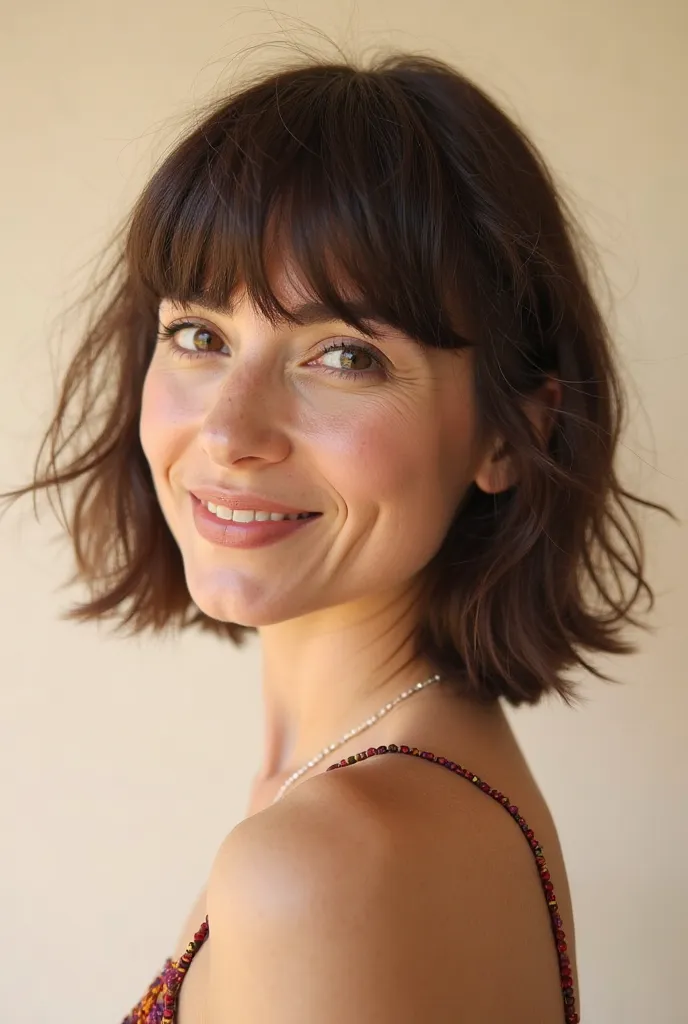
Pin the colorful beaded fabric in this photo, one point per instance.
(159, 1003)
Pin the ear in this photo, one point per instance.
(497, 471)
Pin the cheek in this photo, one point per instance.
(399, 470)
(164, 419)
(401, 460)
(364, 455)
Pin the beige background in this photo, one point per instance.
(123, 763)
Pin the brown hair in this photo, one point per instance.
(432, 201)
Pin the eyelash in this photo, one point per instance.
(166, 334)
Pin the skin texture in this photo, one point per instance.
(315, 914)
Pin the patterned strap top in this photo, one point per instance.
(159, 1003)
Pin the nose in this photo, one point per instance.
(244, 422)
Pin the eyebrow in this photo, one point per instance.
(307, 313)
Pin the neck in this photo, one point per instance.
(325, 673)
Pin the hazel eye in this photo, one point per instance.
(348, 357)
(343, 359)
(193, 338)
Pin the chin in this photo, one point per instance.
(228, 598)
(221, 611)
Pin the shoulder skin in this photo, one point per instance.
(357, 898)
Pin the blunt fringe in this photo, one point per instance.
(405, 179)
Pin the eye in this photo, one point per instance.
(343, 358)
(347, 359)
(194, 339)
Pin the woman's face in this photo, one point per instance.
(383, 450)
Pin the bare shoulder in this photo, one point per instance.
(360, 896)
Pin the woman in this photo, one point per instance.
(347, 386)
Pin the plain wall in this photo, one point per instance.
(116, 754)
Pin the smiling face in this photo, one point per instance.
(380, 436)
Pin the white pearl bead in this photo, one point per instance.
(354, 732)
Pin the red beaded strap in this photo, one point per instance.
(565, 972)
(176, 971)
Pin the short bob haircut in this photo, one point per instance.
(405, 179)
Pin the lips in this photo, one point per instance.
(230, 534)
(244, 500)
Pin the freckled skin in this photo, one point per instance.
(386, 458)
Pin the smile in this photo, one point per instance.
(246, 528)
(249, 515)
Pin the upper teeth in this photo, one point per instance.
(247, 515)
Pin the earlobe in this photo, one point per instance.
(543, 407)
(497, 472)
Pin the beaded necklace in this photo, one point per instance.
(385, 709)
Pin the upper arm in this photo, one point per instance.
(300, 914)
(329, 913)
